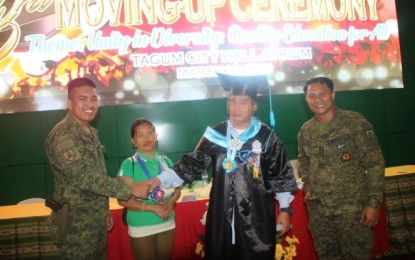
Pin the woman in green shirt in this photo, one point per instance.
(150, 221)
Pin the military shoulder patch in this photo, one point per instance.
(69, 155)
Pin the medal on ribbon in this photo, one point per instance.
(235, 144)
(229, 163)
(256, 149)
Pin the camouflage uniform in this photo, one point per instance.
(341, 164)
(77, 161)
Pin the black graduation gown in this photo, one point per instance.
(252, 199)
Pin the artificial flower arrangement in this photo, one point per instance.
(283, 251)
(286, 249)
(200, 246)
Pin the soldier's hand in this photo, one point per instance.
(307, 195)
(141, 189)
(370, 217)
(310, 196)
(110, 221)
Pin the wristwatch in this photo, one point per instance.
(288, 210)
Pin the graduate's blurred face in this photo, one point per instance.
(145, 139)
(241, 108)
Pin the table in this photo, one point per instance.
(189, 228)
(400, 201)
(24, 231)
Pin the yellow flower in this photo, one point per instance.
(291, 250)
(287, 251)
(279, 251)
(199, 249)
(292, 240)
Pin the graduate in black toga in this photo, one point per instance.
(250, 170)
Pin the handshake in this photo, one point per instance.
(141, 189)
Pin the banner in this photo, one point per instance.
(144, 51)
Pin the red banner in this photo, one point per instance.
(159, 51)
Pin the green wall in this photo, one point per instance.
(25, 173)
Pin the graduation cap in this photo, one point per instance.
(247, 86)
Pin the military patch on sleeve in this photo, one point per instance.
(68, 151)
(69, 155)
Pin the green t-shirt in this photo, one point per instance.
(138, 218)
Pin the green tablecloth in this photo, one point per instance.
(400, 208)
(26, 238)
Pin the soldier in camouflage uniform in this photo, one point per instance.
(76, 156)
(342, 167)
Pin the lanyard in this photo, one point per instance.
(147, 173)
(233, 145)
(223, 141)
